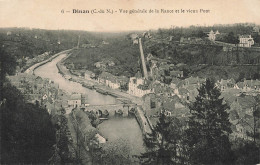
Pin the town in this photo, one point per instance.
(88, 98)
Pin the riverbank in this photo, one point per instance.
(92, 84)
(140, 116)
(115, 128)
(31, 69)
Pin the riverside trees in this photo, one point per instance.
(163, 144)
(209, 128)
(27, 134)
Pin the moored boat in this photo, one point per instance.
(105, 114)
(119, 112)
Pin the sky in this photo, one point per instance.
(46, 14)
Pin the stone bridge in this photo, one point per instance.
(111, 108)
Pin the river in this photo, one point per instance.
(114, 129)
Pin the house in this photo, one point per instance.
(196, 81)
(100, 65)
(135, 42)
(139, 87)
(212, 35)
(134, 38)
(109, 80)
(112, 81)
(174, 83)
(103, 77)
(252, 84)
(110, 63)
(147, 35)
(256, 29)
(248, 85)
(225, 84)
(241, 115)
(75, 100)
(183, 93)
(244, 104)
(176, 74)
(246, 41)
(88, 75)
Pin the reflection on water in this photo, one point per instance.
(114, 128)
(125, 128)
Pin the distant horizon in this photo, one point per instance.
(141, 30)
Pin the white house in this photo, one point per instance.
(138, 87)
(246, 41)
(75, 100)
(8, 33)
(109, 80)
(112, 83)
(212, 35)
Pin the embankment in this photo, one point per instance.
(142, 121)
(31, 69)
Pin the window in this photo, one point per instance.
(153, 105)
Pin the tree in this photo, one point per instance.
(209, 128)
(201, 34)
(256, 115)
(27, 134)
(7, 65)
(246, 151)
(116, 152)
(159, 144)
(231, 38)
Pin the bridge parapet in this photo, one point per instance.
(111, 108)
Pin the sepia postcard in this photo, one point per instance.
(129, 82)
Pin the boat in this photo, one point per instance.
(67, 77)
(99, 113)
(88, 86)
(131, 112)
(105, 114)
(119, 112)
(102, 91)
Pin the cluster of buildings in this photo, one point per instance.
(31, 61)
(46, 93)
(139, 86)
(241, 111)
(162, 71)
(114, 82)
(245, 40)
(173, 96)
(37, 90)
(104, 64)
(77, 100)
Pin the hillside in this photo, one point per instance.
(24, 44)
(121, 52)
